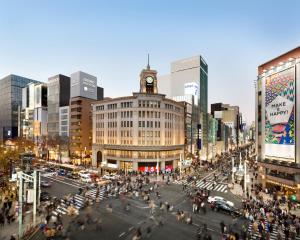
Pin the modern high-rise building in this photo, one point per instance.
(84, 92)
(58, 96)
(64, 121)
(34, 115)
(278, 123)
(143, 132)
(230, 116)
(188, 82)
(10, 105)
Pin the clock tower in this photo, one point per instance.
(148, 80)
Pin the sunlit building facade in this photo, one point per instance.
(143, 132)
(277, 123)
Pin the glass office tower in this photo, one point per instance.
(10, 104)
(58, 96)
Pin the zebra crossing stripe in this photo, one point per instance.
(209, 186)
(219, 187)
(202, 184)
(222, 188)
(273, 234)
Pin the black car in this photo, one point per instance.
(45, 196)
(223, 207)
(45, 184)
(72, 175)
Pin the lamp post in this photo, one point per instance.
(35, 179)
(245, 177)
(157, 172)
(180, 165)
(233, 169)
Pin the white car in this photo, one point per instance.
(49, 174)
(84, 173)
(110, 177)
(86, 179)
(219, 199)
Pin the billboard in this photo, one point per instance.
(280, 115)
(191, 88)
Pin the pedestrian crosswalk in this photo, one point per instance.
(208, 183)
(274, 235)
(78, 201)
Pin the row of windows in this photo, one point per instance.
(126, 114)
(149, 134)
(112, 124)
(126, 104)
(126, 142)
(64, 128)
(168, 125)
(126, 133)
(77, 123)
(99, 124)
(112, 106)
(169, 116)
(100, 108)
(112, 115)
(112, 133)
(64, 123)
(168, 134)
(142, 154)
(99, 133)
(100, 116)
(147, 103)
(149, 124)
(126, 123)
(169, 106)
(149, 114)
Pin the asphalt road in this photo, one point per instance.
(122, 225)
(61, 186)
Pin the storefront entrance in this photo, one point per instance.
(126, 166)
(148, 167)
(280, 190)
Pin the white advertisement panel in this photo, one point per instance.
(279, 115)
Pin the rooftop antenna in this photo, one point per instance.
(148, 66)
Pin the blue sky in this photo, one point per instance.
(111, 39)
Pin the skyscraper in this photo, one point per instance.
(10, 104)
(58, 96)
(84, 92)
(188, 82)
(34, 116)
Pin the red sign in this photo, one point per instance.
(148, 169)
(169, 168)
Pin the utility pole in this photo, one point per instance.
(35, 179)
(232, 175)
(245, 177)
(180, 165)
(157, 164)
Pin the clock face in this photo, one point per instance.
(149, 79)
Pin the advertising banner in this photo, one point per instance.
(150, 169)
(199, 137)
(280, 114)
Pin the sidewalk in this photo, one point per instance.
(13, 228)
(237, 190)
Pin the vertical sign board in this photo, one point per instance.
(199, 136)
(280, 115)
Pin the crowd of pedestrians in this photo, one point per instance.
(8, 208)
